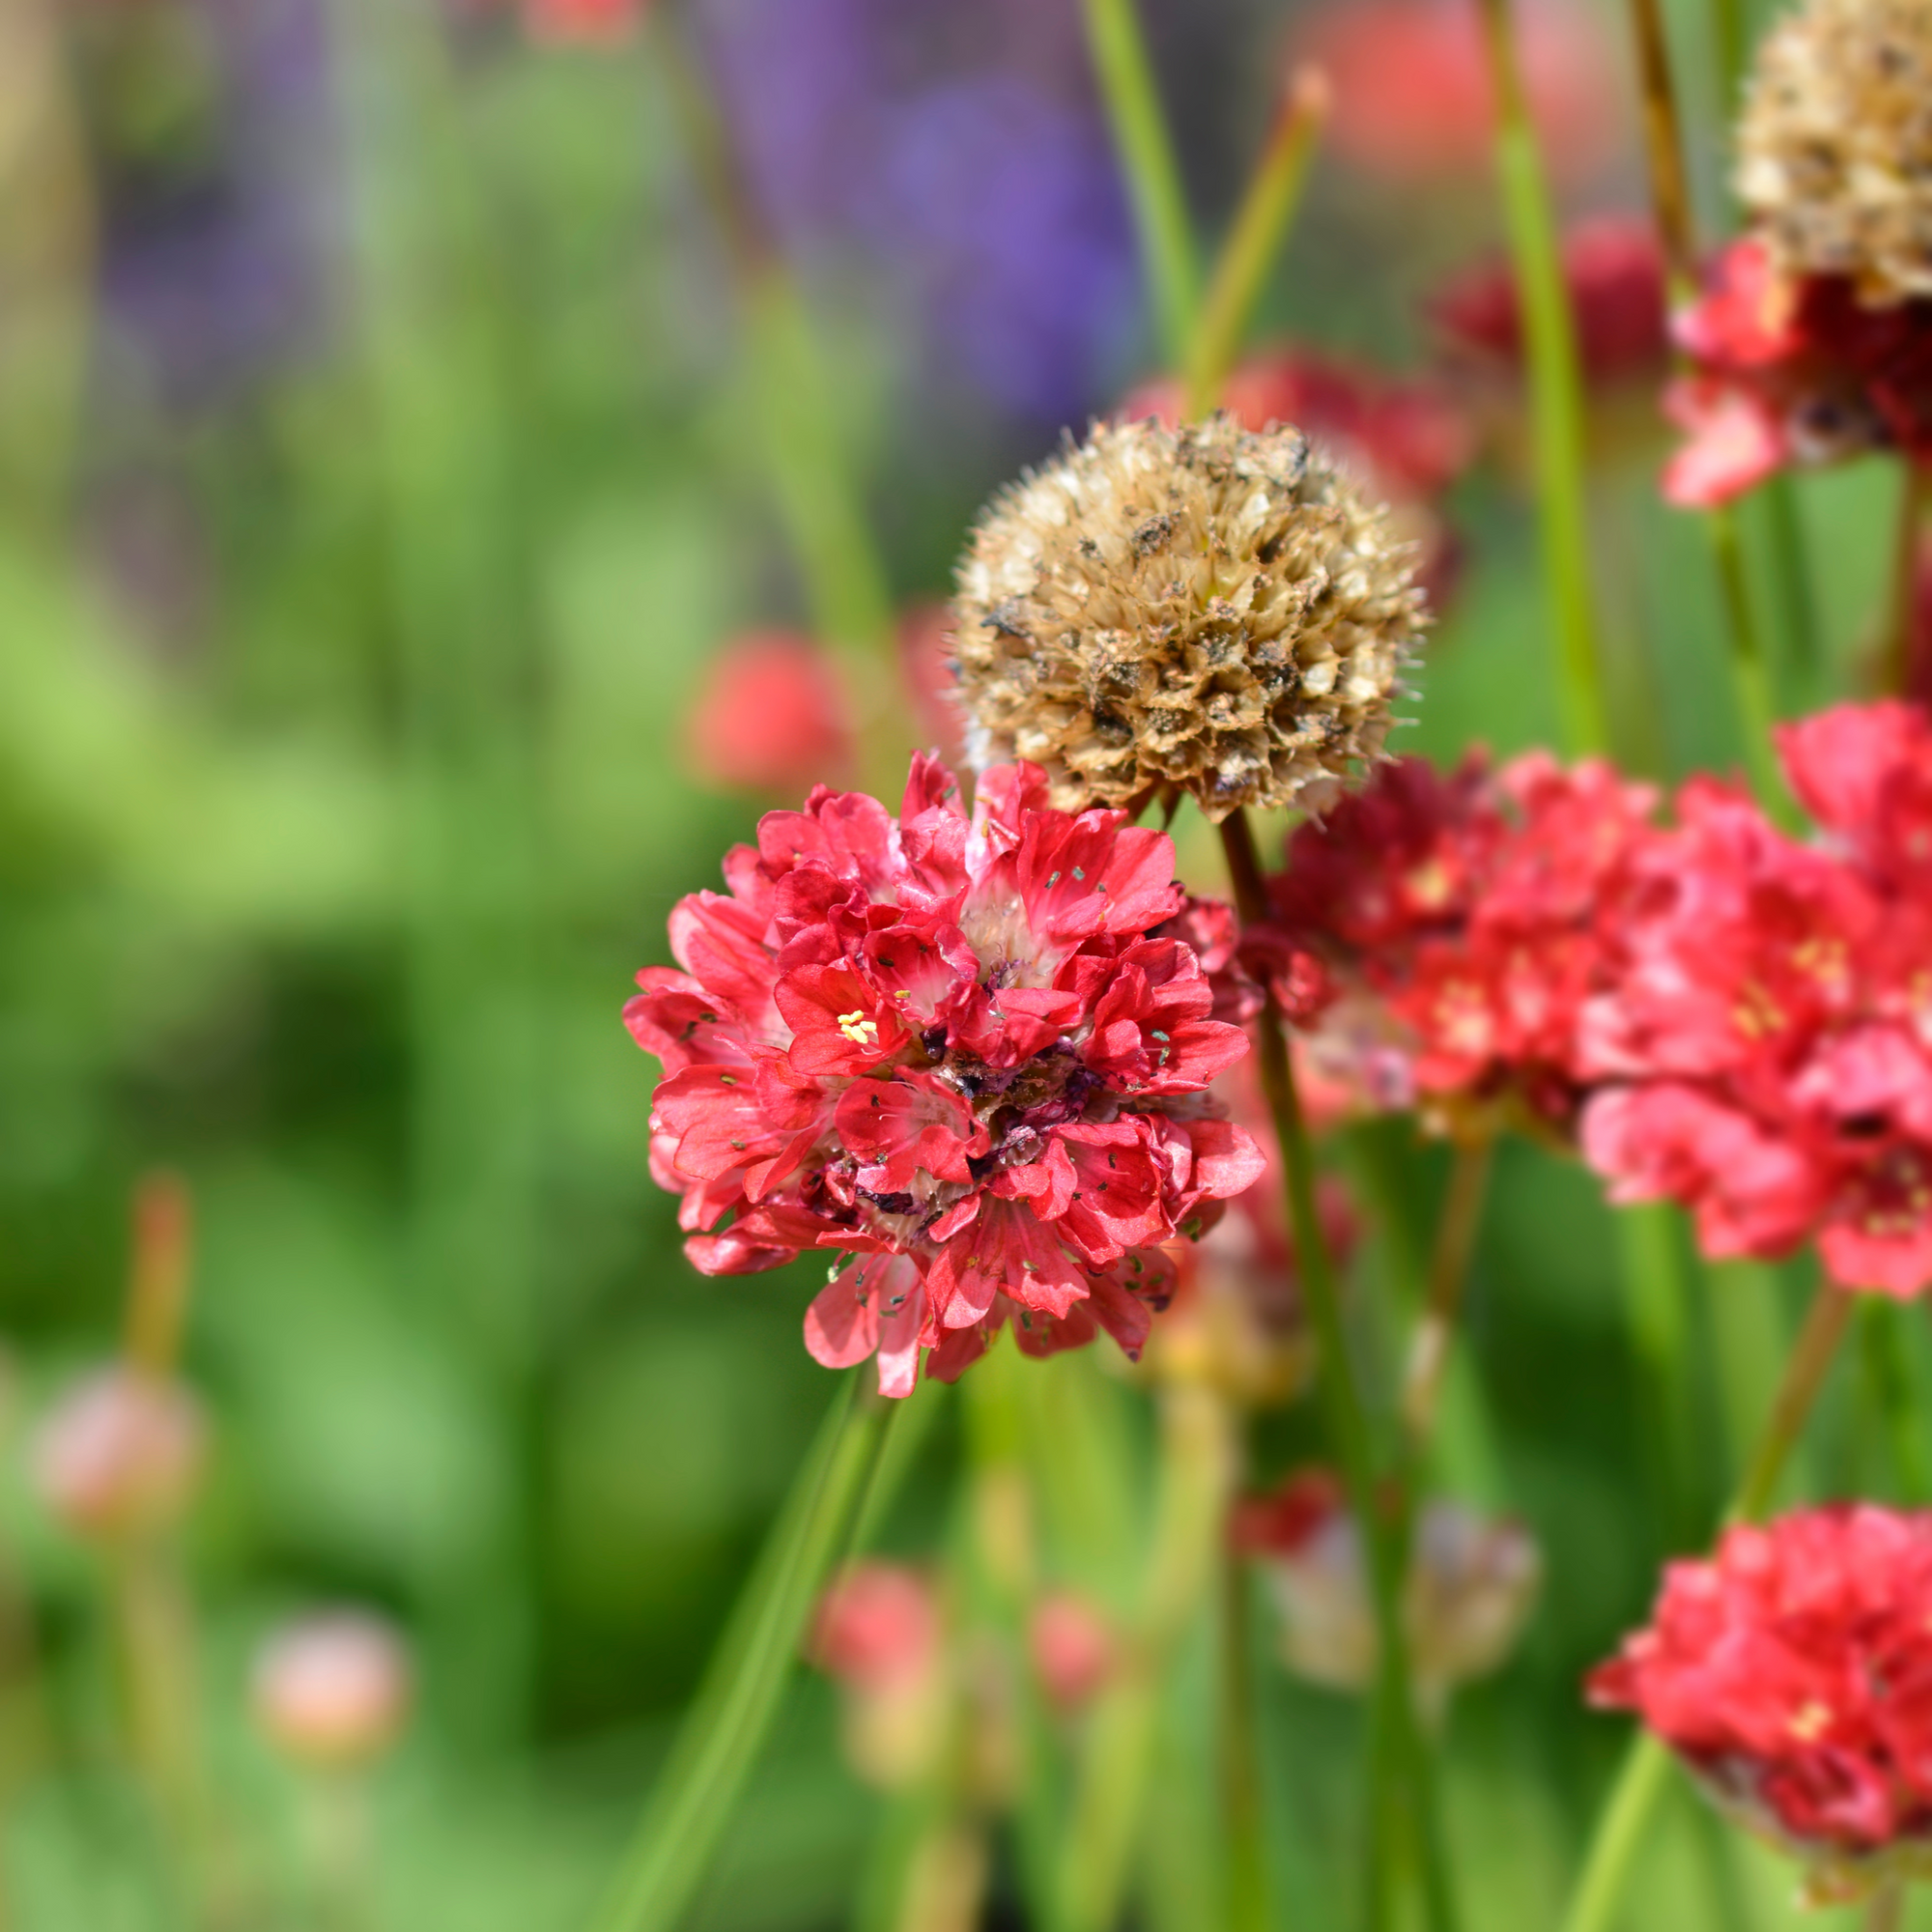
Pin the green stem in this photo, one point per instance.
(1899, 625)
(1621, 1825)
(1886, 1911)
(1888, 1374)
(1148, 163)
(1349, 1431)
(1751, 678)
(1248, 1904)
(1449, 1262)
(727, 1725)
(1732, 48)
(1556, 394)
(1657, 1309)
(1255, 240)
(1796, 595)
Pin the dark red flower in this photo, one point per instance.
(1413, 94)
(1793, 1674)
(1792, 372)
(1613, 267)
(1462, 920)
(962, 1051)
(771, 715)
(1766, 1051)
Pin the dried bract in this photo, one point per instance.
(1835, 145)
(1205, 608)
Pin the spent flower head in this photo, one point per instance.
(1835, 148)
(1204, 608)
(965, 1054)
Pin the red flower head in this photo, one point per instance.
(603, 23)
(1793, 1675)
(1790, 372)
(770, 716)
(1464, 919)
(1768, 1043)
(1074, 1651)
(1412, 94)
(1614, 267)
(958, 1051)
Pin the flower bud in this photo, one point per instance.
(1471, 1582)
(120, 1454)
(771, 716)
(1075, 1651)
(1202, 609)
(878, 1632)
(331, 1690)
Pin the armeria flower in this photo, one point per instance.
(957, 1051)
(1472, 1582)
(1792, 1673)
(1207, 609)
(1462, 920)
(880, 1633)
(1835, 148)
(1766, 1048)
(596, 23)
(1790, 373)
(1405, 440)
(1075, 1650)
(121, 1453)
(1413, 94)
(1613, 267)
(771, 715)
(332, 1690)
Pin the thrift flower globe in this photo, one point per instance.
(331, 1690)
(1790, 1674)
(1204, 609)
(121, 1453)
(968, 1056)
(1835, 145)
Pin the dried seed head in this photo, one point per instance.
(1203, 608)
(1835, 145)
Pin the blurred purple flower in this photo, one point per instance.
(214, 264)
(959, 147)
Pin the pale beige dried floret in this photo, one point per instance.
(1208, 608)
(1835, 149)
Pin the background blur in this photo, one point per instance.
(385, 446)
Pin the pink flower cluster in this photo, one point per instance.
(1459, 921)
(1792, 372)
(962, 1051)
(1766, 1054)
(1793, 1673)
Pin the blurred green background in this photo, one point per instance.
(383, 452)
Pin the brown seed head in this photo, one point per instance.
(1834, 150)
(1206, 608)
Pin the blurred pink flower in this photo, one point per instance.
(1074, 1651)
(770, 716)
(332, 1688)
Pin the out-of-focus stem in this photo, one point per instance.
(1449, 1262)
(1261, 223)
(1348, 1422)
(1899, 624)
(1149, 166)
(1248, 1906)
(728, 1720)
(1197, 1463)
(157, 1283)
(1750, 675)
(1664, 148)
(1886, 1911)
(1796, 594)
(1733, 46)
(1657, 1309)
(1621, 1825)
(1891, 1379)
(1556, 393)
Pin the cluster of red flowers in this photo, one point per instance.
(962, 1051)
(1792, 1674)
(1456, 925)
(1792, 372)
(1767, 1050)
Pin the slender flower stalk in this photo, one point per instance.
(1151, 170)
(1622, 1823)
(1912, 492)
(1254, 242)
(1656, 1298)
(1454, 1249)
(1889, 1380)
(1885, 1912)
(1404, 1760)
(1796, 595)
(1670, 195)
(733, 1712)
(1556, 393)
